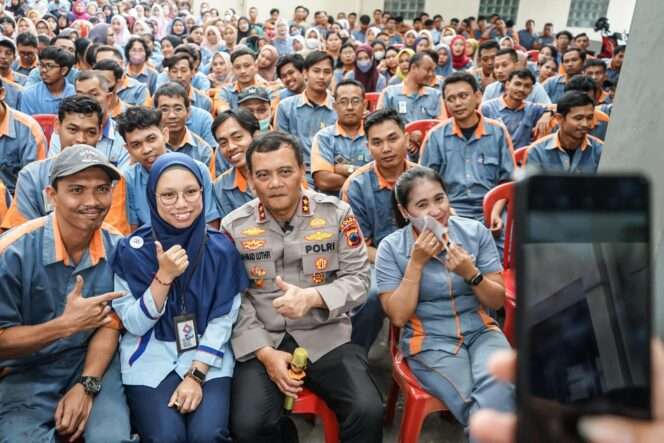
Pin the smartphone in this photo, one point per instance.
(584, 316)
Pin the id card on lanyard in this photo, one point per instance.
(186, 332)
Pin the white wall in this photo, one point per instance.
(555, 11)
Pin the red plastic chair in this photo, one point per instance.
(47, 123)
(372, 100)
(309, 403)
(533, 55)
(520, 157)
(418, 403)
(500, 192)
(424, 126)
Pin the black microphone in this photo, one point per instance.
(287, 227)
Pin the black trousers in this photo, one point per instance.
(341, 377)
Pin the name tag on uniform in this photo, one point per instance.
(403, 108)
(186, 337)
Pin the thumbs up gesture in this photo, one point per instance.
(296, 301)
(86, 313)
(172, 263)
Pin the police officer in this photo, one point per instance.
(305, 255)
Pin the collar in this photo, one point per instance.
(108, 131)
(118, 108)
(10, 77)
(239, 181)
(123, 83)
(31, 67)
(340, 131)
(419, 92)
(306, 101)
(384, 183)
(6, 128)
(480, 131)
(306, 208)
(556, 143)
(603, 97)
(143, 70)
(96, 248)
(237, 88)
(188, 140)
(503, 104)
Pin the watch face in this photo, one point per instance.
(91, 385)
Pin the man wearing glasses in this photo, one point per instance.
(45, 96)
(339, 149)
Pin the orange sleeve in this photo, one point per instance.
(12, 217)
(117, 216)
(115, 322)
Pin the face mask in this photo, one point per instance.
(379, 55)
(244, 28)
(364, 66)
(136, 59)
(295, 32)
(264, 125)
(312, 43)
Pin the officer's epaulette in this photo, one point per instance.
(243, 211)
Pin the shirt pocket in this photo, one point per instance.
(260, 273)
(488, 168)
(318, 269)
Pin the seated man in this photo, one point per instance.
(145, 139)
(173, 102)
(180, 68)
(571, 148)
(314, 242)
(45, 96)
(113, 73)
(517, 114)
(94, 84)
(79, 122)
(257, 101)
(21, 142)
(290, 70)
(245, 71)
(7, 57)
(28, 52)
(58, 364)
(471, 153)
(59, 41)
(199, 79)
(339, 149)
(369, 191)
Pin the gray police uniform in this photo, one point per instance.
(321, 246)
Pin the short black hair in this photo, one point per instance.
(591, 62)
(573, 99)
(581, 34)
(242, 116)
(511, 52)
(109, 48)
(43, 39)
(349, 82)
(81, 45)
(191, 49)
(137, 117)
(91, 74)
(419, 56)
(27, 39)
(582, 53)
(565, 33)
(583, 83)
(405, 184)
(110, 65)
(316, 57)
(171, 89)
(619, 49)
(296, 59)
(461, 76)
(80, 104)
(491, 44)
(554, 51)
(381, 116)
(174, 59)
(273, 141)
(365, 19)
(242, 52)
(60, 56)
(143, 43)
(91, 53)
(172, 39)
(522, 74)
(273, 10)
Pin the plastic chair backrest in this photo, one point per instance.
(372, 100)
(520, 157)
(503, 191)
(423, 126)
(533, 55)
(47, 123)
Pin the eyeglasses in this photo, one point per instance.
(169, 198)
(356, 101)
(48, 66)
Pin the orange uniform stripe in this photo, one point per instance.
(15, 234)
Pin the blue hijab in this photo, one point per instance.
(444, 70)
(215, 273)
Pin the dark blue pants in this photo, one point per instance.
(156, 422)
(368, 319)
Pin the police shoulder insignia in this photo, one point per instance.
(351, 231)
(253, 244)
(318, 236)
(253, 231)
(317, 222)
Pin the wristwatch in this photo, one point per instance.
(476, 280)
(92, 385)
(197, 375)
(350, 169)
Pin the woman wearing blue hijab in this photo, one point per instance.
(444, 65)
(183, 285)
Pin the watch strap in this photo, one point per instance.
(476, 279)
(91, 385)
(197, 375)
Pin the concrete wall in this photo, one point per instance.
(634, 139)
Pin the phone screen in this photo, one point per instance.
(584, 302)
